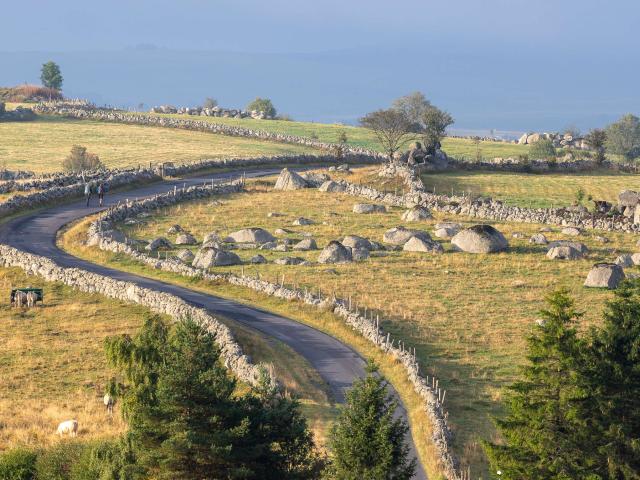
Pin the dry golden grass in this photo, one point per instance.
(467, 315)
(52, 362)
(41, 146)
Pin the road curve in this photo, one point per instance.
(337, 363)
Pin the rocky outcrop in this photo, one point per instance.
(401, 235)
(564, 252)
(335, 252)
(289, 180)
(604, 275)
(480, 239)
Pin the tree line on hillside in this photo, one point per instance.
(187, 420)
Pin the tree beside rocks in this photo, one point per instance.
(391, 127)
(623, 137)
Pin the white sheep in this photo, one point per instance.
(109, 401)
(68, 426)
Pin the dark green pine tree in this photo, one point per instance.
(541, 431)
(613, 380)
(367, 440)
(186, 420)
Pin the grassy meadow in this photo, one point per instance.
(41, 145)
(467, 315)
(361, 137)
(53, 366)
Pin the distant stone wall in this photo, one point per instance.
(195, 125)
(542, 166)
(103, 233)
(159, 302)
(486, 207)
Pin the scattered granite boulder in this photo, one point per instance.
(273, 214)
(215, 257)
(359, 254)
(306, 244)
(250, 235)
(333, 187)
(517, 235)
(186, 239)
(268, 246)
(302, 221)
(335, 252)
(625, 260)
(289, 180)
(601, 239)
(257, 259)
(447, 229)
(174, 229)
(368, 208)
(417, 244)
(538, 239)
(581, 247)
(564, 252)
(282, 231)
(604, 275)
(159, 243)
(185, 255)
(635, 258)
(401, 235)
(416, 214)
(289, 261)
(545, 230)
(356, 242)
(571, 231)
(211, 237)
(628, 198)
(480, 239)
(315, 179)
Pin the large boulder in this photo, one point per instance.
(571, 231)
(250, 235)
(416, 214)
(628, 198)
(564, 252)
(186, 239)
(185, 255)
(368, 208)
(288, 180)
(306, 244)
(417, 244)
(401, 235)
(331, 186)
(159, 243)
(335, 252)
(215, 257)
(538, 239)
(604, 275)
(173, 229)
(625, 260)
(480, 239)
(315, 179)
(357, 243)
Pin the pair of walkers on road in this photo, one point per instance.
(91, 188)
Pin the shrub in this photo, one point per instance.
(543, 149)
(18, 464)
(342, 137)
(105, 459)
(56, 462)
(80, 160)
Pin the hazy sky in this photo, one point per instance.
(509, 64)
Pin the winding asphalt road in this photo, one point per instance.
(338, 364)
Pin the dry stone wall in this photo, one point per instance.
(101, 233)
(70, 111)
(485, 208)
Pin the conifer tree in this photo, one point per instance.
(541, 431)
(367, 440)
(612, 379)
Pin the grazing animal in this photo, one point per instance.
(109, 401)
(31, 299)
(20, 299)
(68, 427)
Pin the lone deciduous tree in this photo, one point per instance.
(390, 126)
(414, 107)
(623, 137)
(435, 123)
(51, 76)
(368, 440)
